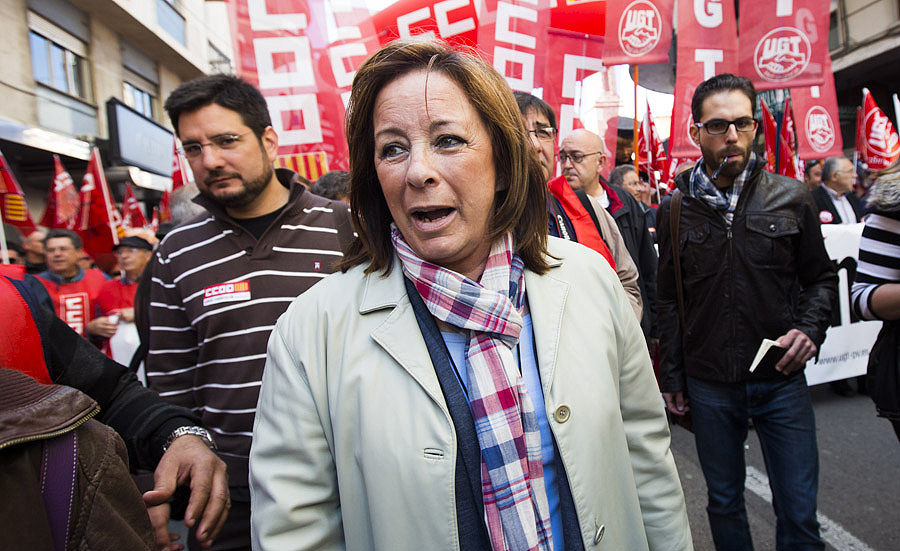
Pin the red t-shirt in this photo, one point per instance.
(115, 295)
(75, 301)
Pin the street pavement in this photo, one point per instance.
(859, 479)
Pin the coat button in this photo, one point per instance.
(599, 535)
(772, 227)
(562, 414)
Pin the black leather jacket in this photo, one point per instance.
(767, 274)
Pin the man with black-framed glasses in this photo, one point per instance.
(751, 265)
(222, 278)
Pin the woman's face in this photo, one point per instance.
(434, 161)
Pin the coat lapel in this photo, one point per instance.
(546, 302)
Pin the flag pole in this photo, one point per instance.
(4, 253)
(637, 153)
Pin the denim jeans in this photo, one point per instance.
(783, 417)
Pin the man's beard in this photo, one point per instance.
(250, 190)
(732, 168)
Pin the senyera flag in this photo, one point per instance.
(818, 126)
(783, 43)
(638, 32)
(707, 46)
(100, 223)
(63, 201)
(882, 145)
(12, 201)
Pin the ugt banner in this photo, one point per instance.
(303, 54)
(707, 45)
(816, 115)
(785, 46)
(638, 32)
(879, 139)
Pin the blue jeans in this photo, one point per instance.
(783, 417)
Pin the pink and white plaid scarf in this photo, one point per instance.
(512, 475)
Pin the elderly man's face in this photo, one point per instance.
(132, 260)
(62, 256)
(587, 148)
(436, 169)
(842, 179)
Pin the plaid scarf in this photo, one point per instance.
(702, 187)
(512, 475)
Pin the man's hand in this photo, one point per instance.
(126, 315)
(102, 327)
(800, 348)
(676, 403)
(189, 461)
(159, 518)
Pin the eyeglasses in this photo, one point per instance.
(720, 126)
(544, 133)
(193, 150)
(575, 156)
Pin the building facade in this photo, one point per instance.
(78, 73)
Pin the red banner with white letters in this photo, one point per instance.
(303, 54)
(638, 31)
(882, 145)
(707, 46)
(818, 125)
(784, 45)
(455, 21)
(512, 35)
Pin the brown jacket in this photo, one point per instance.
(106, 510)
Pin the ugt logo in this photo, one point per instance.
(640, 28)
(781, 54)
(819, 129)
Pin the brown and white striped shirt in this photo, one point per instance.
(215, 295)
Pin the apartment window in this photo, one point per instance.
(139, 100)
(170, 20)
(59, 67)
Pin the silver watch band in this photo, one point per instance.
(200, 432)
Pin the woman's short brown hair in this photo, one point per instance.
(520, 206)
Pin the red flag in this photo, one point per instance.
(100, 223)
(785, 46)
(178, 176)
(818, 131)
(788, 164)
(638, 32)
(132, 215)
(165, 213)
(154, 221)
(770, 133)
(62, 200)
(12, 201)
(651, 150)
(707, 45)
(453, 21)
(882, 145)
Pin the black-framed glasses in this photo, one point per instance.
(720, 126)
(575, 156)
(193, 150)
(544, 133)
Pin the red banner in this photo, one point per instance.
(62, 200)
(179, 176)
(452, 20)
(638, 32)
(788, 163)
(818, 125)
(652, 154)
(512, 35)
(132, 215)
(770, 135)
(100, 223)
(303, 54)
(12, 201)
(707, 46)
(785, 46)
(882, 144)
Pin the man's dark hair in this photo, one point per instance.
(726, 82)
(617, 176)
(810, 165)
(225, 90)
(334, 184)
(69, 234)
(13, 246)
(830, 166)
(527, 102)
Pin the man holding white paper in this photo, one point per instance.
(753, 267)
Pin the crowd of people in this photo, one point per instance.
(449, 346)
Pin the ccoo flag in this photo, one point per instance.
(100, 223)
(62, 200)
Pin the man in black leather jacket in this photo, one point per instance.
(754, 267)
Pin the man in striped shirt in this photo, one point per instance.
(223, 278)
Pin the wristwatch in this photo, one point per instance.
(200, 432)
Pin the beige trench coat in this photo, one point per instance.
(353, 445)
